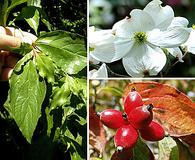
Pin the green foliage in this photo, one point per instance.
(31, 15)
(66, 49)
(141, 151)
(67, 97)
(69, 15)
(36, 3)
(26, 98)
(6, 9)
(45, 66)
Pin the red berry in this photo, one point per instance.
(132, 100)
(153, 132)
(141, 116)
(125, 137)
(113, 118)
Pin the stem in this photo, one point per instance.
(178, 60)
(184, 54)
(150, 107)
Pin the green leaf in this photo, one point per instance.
(115, 91)
(36, 3)
(3, 11)
(45, 20)
(61, 96)
(31, 15)
(75, 148)
(66, 49)
(26, 95)
(22, 50)
(43, 15)
(78, 86)
(49, 121)
(168, 149)
(141, 151)
(45, 66)
(15, 3)
(21, 63)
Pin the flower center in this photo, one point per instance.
(91, 49)
(140, 37)
(193, 26)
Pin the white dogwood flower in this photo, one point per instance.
(100, 73)
(138, 40)
(190, 43)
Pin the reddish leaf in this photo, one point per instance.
(190, 140)
(97, 137)
(173, 109)
(125, 154)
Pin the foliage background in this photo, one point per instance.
(104, 13)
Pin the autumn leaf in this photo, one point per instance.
(190, 141)
(155, 89)
(97, 135)
(172, 108)
(125, 154)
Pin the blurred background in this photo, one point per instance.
(104, 13)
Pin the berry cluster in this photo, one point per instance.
(137, 118)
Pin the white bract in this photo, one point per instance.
(138, 40)
(190, 43)
(100, 73)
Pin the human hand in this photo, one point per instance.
(11, 38)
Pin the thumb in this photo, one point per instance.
(7, 42)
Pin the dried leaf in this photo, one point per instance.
(97, 136)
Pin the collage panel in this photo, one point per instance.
(141, 80)
(43, 79)
(141, 119)
(141, 38)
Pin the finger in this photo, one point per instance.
(6, 74)
(10, 61)
(7, 41)
(2, 30)
(30, 36)
(24, 36)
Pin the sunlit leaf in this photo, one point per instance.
(66, 49)
(26, 98)
(36, 3)
(78, 86)
(168, 149)
(31, 15)
(45, 66)
(61, 96)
